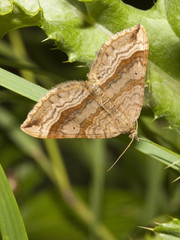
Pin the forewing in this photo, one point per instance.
(120, 69)
(69, 111)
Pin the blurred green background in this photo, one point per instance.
(137, 191)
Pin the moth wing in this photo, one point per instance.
(120, 70)
(69, 111)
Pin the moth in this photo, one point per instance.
(107, 104)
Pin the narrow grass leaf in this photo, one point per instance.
(160, 153)
(20, 85)
(11, 223)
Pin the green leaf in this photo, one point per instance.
(15, 15)
(11, 223)
(173, 15)
(164, 96)
(76, 33)
(169, 231)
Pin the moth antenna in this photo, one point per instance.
(133, 136)
(120, 155)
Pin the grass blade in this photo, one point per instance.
(160, 153)
(20, 85)
(11, 223)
